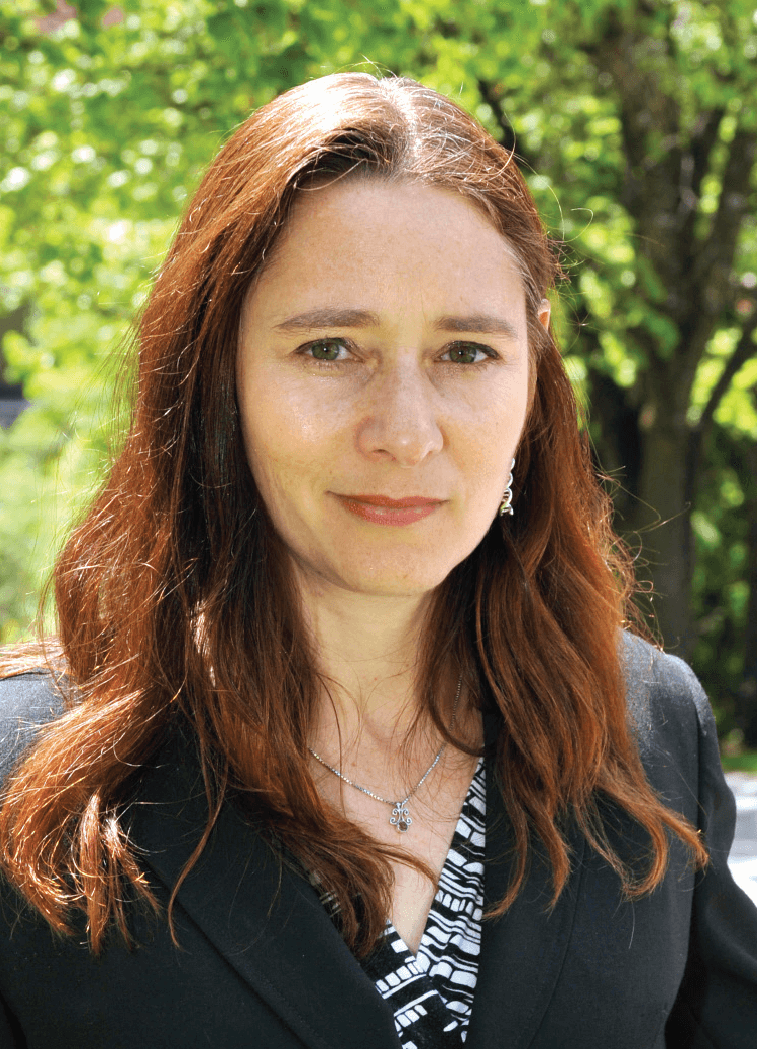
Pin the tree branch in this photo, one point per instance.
(695, 163)
(745, 350)
(508, 137)
(709, 283)
(703, 138)
(715, 257)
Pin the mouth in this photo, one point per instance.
(394, 504)
(382, 510)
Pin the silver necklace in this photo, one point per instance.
(400, 817)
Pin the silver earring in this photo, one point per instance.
(506, 506)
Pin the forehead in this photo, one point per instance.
(375, 238)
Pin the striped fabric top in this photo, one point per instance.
(432, 993)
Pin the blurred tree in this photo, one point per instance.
(655, 132)
(636, 124)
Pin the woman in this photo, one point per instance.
(341, 658)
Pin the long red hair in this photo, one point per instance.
(174, 595)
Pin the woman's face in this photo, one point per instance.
(383, 385)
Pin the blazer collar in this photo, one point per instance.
(289, 951)
(267, 921)
(522, 952)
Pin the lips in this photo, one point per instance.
(383, 510)
(384, 500)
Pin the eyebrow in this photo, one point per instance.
(342, 317)
(478, 323)
(329, 317)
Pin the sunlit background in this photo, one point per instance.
(636, 125)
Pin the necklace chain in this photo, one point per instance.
(400, 818)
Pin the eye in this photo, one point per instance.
(468, 353)
(326, 350)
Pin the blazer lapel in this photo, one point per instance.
(267, 921)
(522, 952)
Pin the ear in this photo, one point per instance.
(545, 310)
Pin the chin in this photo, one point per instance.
(388, 581)
(381, 571)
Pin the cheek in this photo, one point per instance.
(290, 434)
(495, 420)
(310, 422)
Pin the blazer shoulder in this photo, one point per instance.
(27, 702)
(664, 694)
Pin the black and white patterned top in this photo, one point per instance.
(432, 992)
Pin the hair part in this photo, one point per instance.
(175, 599)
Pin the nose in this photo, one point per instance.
(401, 420)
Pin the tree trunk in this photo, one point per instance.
(660, 515)
(747, 695)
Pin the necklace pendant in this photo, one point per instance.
(401, 817)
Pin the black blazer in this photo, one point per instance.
(260, 966)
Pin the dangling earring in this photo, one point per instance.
(506, 506)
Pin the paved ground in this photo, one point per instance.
(743, 859)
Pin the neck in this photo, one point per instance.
(367, 649)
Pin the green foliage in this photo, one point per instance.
(744, 762)
(108, 121)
